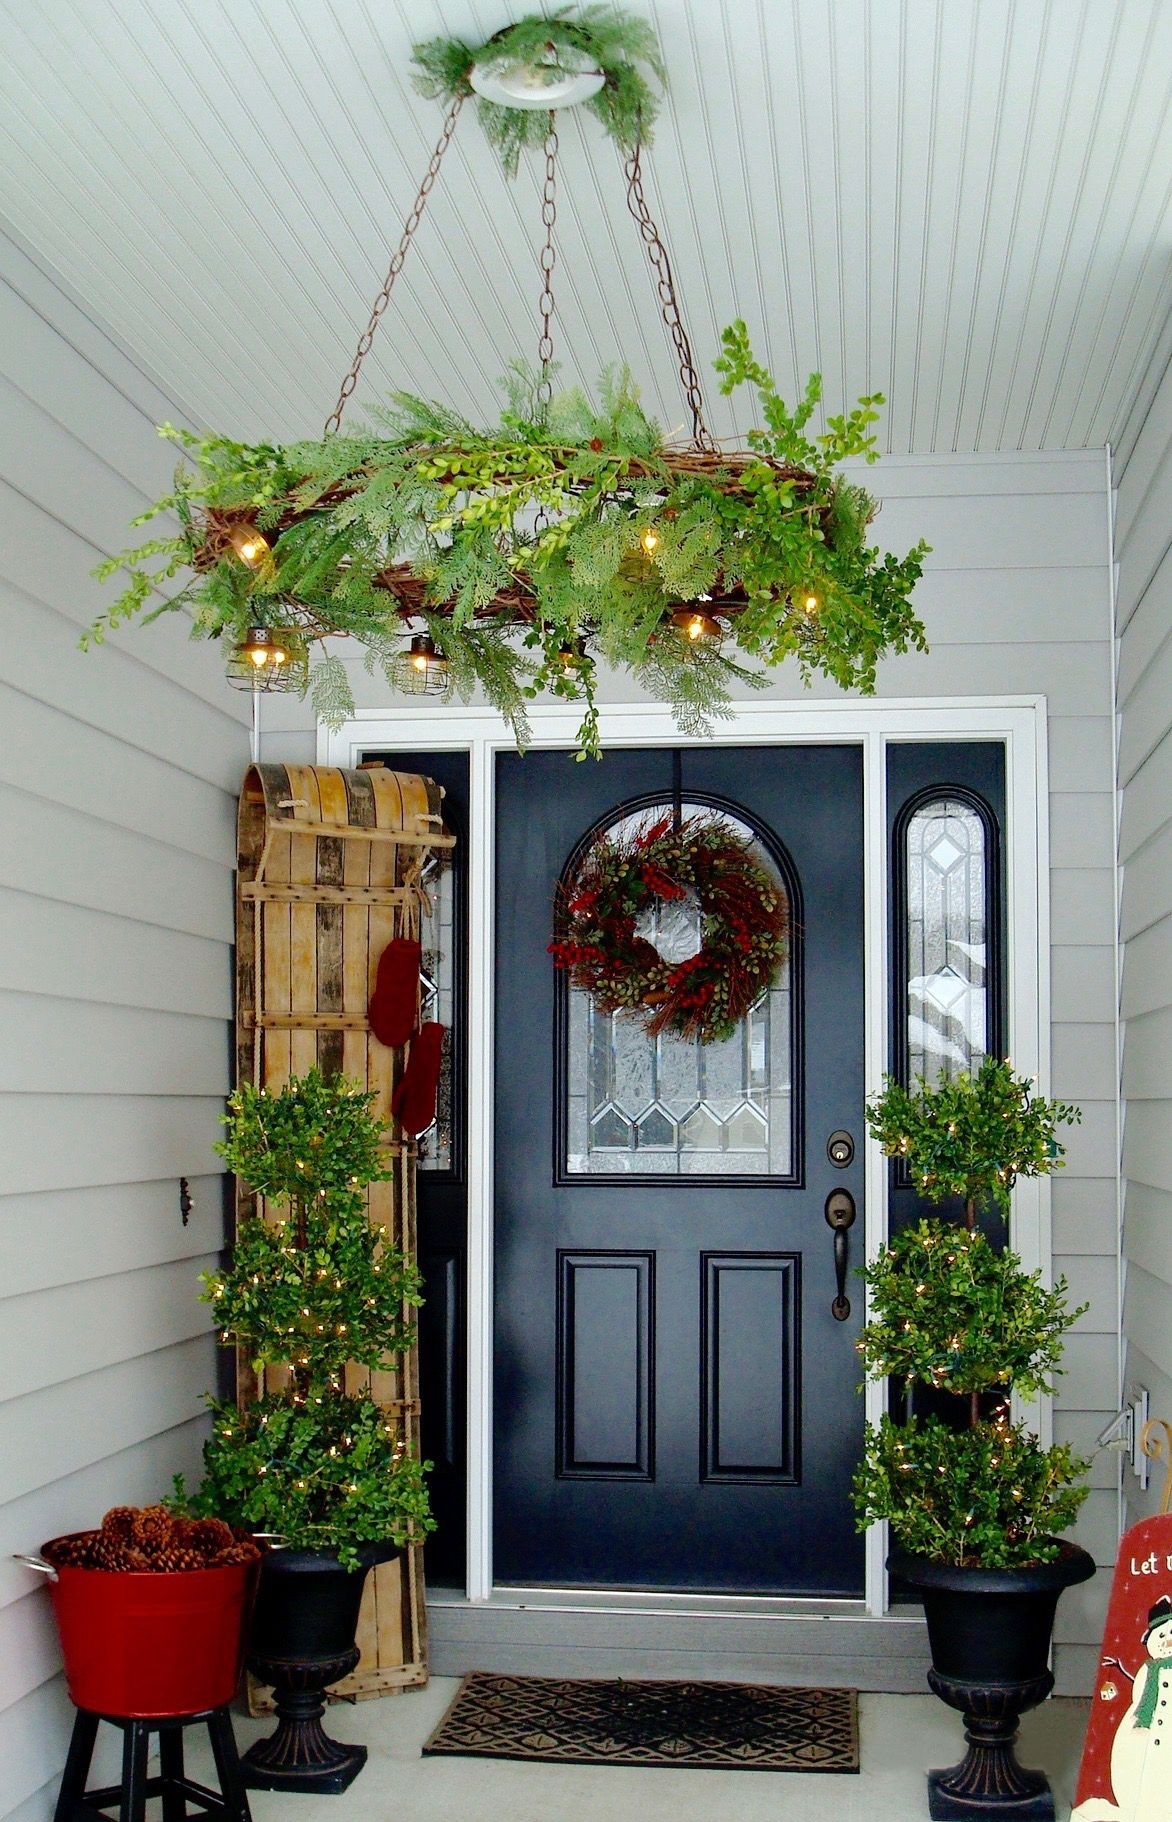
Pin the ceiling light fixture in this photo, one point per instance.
(549, 80)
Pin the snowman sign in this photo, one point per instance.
(1126, 1773)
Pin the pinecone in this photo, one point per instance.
(106, 1553)
(73, 1552)
(168, 1561)
(152, 1529)
(134, 1561)
(119, 1522)
(209, 1535)
(242, 1551)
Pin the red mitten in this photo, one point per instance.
(413, 1102)
(395, 1001)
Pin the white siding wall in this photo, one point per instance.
(1016, 599)
(118, 773)
(1144, 618)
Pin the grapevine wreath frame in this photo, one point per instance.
(744, 925)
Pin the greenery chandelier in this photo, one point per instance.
(571, 535)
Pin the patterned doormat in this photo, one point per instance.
(698, 1726)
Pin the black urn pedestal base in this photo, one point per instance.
(302, 1643)
(988, 1780)
(989, 1632)
(300, 1755)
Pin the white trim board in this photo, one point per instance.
(1019, 721)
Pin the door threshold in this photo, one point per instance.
(657, 1601)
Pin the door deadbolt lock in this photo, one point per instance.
(840, 1149)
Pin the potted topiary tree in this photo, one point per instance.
(972, 1497)
(312, 1288)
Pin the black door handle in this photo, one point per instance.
(840, 1215)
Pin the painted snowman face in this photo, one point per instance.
(1159, 1644)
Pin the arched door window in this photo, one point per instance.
(669, 1107)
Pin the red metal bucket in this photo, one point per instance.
(152, 1644)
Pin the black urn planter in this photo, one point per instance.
(989, 1633)
(302, 1641)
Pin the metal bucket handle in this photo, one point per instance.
(36, 1562)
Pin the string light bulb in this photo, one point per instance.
(266, 659)
(250, 545)
(571, 653)
(695, 626)
(650, 540)
(422, 670)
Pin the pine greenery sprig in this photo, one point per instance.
(949, 1311)
(515, 543)
(988, 1495)
(601, 37)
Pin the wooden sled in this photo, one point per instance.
(329, 869)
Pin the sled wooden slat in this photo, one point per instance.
(326, 895)
(399, 838)
(329, 868)
(316, 1021)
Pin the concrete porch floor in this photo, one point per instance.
(901, 1736)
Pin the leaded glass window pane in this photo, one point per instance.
(669, 1106)
(437, 941)
(947, 999)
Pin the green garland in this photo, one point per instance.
(425, 517)
(603, 37)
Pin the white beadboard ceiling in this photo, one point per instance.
(962, 203)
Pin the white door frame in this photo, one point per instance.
(1019, 721)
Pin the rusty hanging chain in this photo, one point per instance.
(548, 260)
(334, 421)
(666, 291)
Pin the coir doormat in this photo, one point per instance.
(698, 1726)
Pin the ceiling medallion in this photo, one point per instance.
(519, 559)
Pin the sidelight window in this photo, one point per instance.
(947, 878)
(437, 940)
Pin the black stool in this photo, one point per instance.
(77, 1804)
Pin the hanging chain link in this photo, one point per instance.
(548, 260)
(666, 291)
(334, 421)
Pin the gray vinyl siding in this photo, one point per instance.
(1144, 619)
(118, 775)
(1016, 600)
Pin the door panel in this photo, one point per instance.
(751, 1406)
(606, 1380)
(676, 1406)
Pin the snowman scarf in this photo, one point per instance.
(1146, 1712)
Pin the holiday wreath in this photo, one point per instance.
(743, 926)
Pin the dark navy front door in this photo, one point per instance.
(676, 1404)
